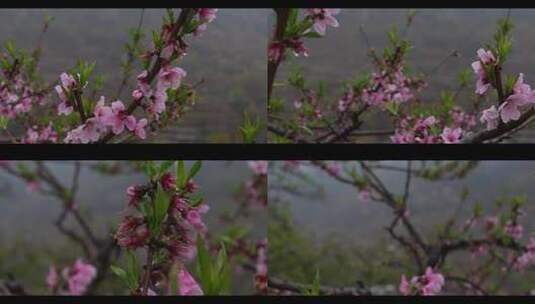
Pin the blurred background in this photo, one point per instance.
(229, 56)
(435, 34)
(30, 242)
(327, 227)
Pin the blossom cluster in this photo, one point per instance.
(528, 258)
(320, 18)
(428, 284)
(520, 99)
(390, 85)
(99, 120)
(17, 97)
(180, 227)
(430, 129)
(74, 280)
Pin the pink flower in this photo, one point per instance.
(24, 106)
(79, 277)
(103, 114)
(491, 222)
(404, 286)
(333, 168)
(91, 130)
(527, 258)
(170, 78)
(137, 94)
(416, 130)
(200, 29)
(135, 193)
(323, 17)
(64, 108)
(184, 251)
(364, 195)
(428, 284)
(191, 187)
(450, 136)
(140, 128)
(486, 57)
(509, 110)
(491, 117)
(425, 123)
(275, 51)
(388, 86)
(187, 284)
(48, 134)
(207, 15)
(515, 231)
(143, 83)
(297, 46)
(194, 218)
(482, 86)
(522, 95)
(52, 279)
(432, 282)
(521, 88)
(168, 182)
(482, 83)
(460, 119)
(86, 133)
(67, 81)
(120, 118)
(132, 232)
(33, 186)
(31, 136)
(259, 167)
(345, 101)
(158, 102)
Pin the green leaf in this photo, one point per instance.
(150, 169)
(392, 107)
(292, 16)
(4, 121)
(315, 290)
(312, 35)
(250, 129)
(161, 205)
(223, 272)
(119, 272)
(194, 169)
(196, 200)
(180, 174)
(173, 276)
(214, 273)
(204, 267)
(164, 166)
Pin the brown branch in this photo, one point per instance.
(282, 21)
(148, 270)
